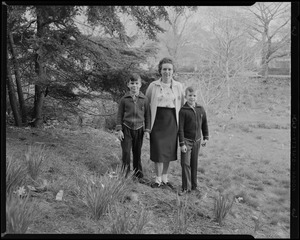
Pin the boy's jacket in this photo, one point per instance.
(192, 122)
(133, 114)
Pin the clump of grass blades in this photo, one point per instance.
(106, 190)
(142, 219)
(257, 223)
(34, 159)
(15, 175)
(20, 213)
(222, 206)
(121, 223)
(181, 218)
(79, 184)
(125, 222)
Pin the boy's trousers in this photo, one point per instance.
(189, 164)
(133, 140)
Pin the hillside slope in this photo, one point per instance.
(247, 158)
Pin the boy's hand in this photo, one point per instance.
(120, 135)
(183, 148)
(147, 135)
(203, 144)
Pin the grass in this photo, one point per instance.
(201, 170)
(15, 174)
(181, 218)
(268, 182)
(103, 191)
(222, 206)
(34, 157)
(257, 223)
(148, 168)
(20, 213)
(256, 185)
(79, 184)
(79, 154)
(127, 221)
(121, 220)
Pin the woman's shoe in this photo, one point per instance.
(155, 185)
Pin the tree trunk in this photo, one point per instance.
(18, 78)
(39, 93)
(264, 62)
(264, 69)
(13, 99)
(38, 106)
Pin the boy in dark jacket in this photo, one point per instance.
(133, 120)
(192, 121)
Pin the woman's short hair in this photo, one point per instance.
(165, 60)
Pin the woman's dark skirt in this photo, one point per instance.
(163, 137)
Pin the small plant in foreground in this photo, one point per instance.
(181, 216)
(120, 219)
(34, 159)
(222, 206)
(20, 213)
(142, 219)
(15, 175)
(105, 190)
(124, 221)
(257, 223)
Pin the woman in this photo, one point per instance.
(166, 97)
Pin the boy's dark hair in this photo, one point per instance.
(134, 77)
(190, 89)
(165, 60)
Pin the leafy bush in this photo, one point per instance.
(15, 175)
(20, 213)
(105, 190)
(222, 206)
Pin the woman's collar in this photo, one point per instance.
(159, 81)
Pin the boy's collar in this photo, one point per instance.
(140, 94)
(186, 105)
(134, 94)
(193, 106)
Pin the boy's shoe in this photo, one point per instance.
(196, 191)
(155, 185)
(144, 181)
(184, 192)
(138, 174)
